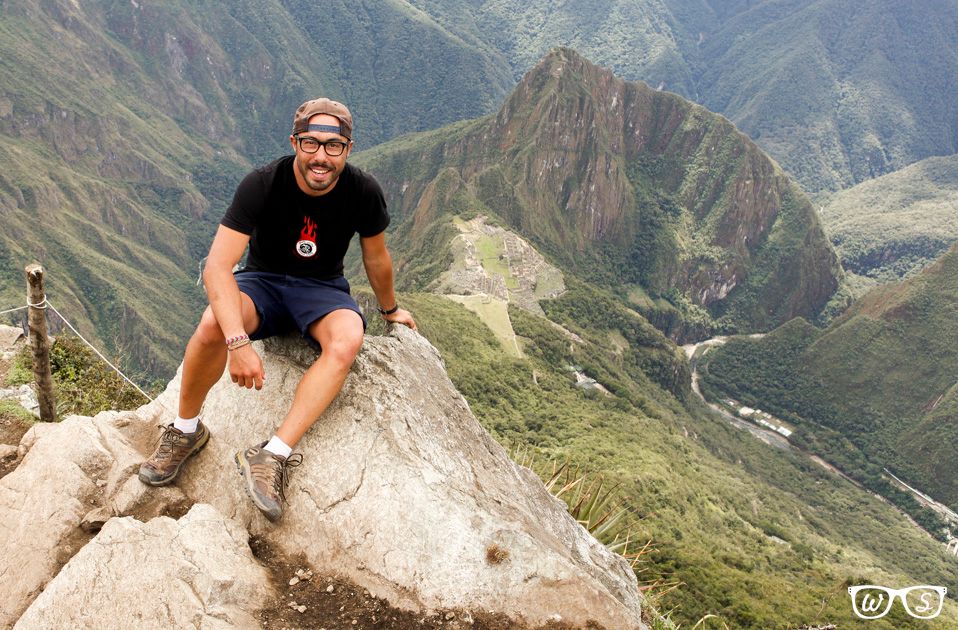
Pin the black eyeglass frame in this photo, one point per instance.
(325, 144)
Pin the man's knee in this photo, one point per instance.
(343, 348)
(208, 332)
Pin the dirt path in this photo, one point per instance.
(305, 600)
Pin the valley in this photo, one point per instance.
(771, 431)
(891, 227)
(527, 399)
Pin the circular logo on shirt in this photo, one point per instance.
(306, 249)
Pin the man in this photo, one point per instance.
(298, 215)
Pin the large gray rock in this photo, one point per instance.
(197, 572)
(404, 492)
(24, 395)
(68, 469)
(10, 337)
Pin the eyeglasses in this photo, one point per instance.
(308, 144)
(921, 602)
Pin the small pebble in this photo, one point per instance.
(450, 616)
(329, 589)
(301, 609)
(293, 581)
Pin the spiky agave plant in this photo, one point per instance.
(591, 501)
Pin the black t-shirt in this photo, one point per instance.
(295, 234)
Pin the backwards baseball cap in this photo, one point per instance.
(323, 106)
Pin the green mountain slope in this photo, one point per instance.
(124, 128)
(159, 107)
(837, 92)
(895, 225)
(875, 389)
(636, 39)
(623, 186)
(763, 538)
(122, 143)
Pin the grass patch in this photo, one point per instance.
(492, 258)
(11, 409)
(495, 314)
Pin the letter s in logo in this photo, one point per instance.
(926, 605)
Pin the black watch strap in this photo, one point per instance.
(390, 311)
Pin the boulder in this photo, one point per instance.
(8, 452)
(68, 469)
(196, 572)
(402, 491)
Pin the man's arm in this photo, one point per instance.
(245, 366)
(379, 270)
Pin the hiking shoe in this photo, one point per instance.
(266, 475)
(174, 449)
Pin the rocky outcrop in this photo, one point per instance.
(400, 490)
(9, 337)
(197, 571)
(403, 491)
(68, 470)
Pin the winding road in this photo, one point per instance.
(769, 437)
(779, 441)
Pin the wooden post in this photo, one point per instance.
(37, 321)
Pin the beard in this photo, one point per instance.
(319, 175)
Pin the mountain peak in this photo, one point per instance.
(562, 56)
(629, 185)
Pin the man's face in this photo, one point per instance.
(317, 173)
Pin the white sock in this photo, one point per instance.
(278, 447)
(186, 425)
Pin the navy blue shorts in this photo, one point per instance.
(287, 303)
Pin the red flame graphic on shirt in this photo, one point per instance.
(308, 233)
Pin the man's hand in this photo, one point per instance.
(246, 368)
(401, 316)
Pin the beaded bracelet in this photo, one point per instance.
(390, 311)
(236, 345)
(230, 341)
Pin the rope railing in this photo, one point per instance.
(44, 304)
